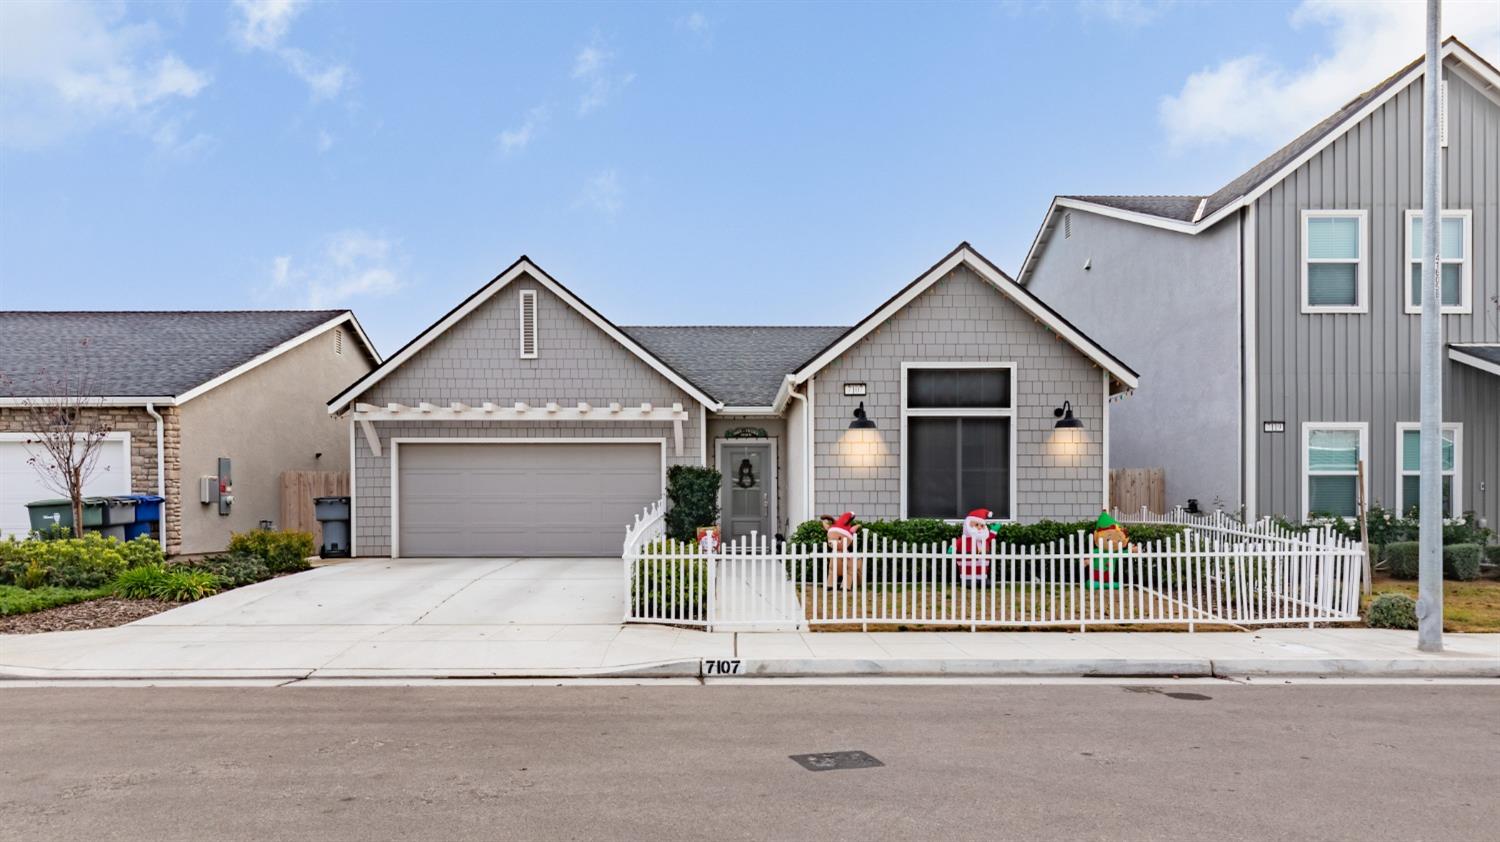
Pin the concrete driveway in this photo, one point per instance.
(391, 592)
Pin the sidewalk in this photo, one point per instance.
(143, 650)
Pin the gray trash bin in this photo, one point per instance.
(333, 513)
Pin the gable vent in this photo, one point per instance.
(1067, 226)
(528, 324)
(338, 340)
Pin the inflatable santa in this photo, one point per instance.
(843, 567)
(973, 546)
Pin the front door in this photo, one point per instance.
(749, 470)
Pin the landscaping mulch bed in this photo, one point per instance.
(95, 614)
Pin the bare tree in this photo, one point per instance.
(65, 431)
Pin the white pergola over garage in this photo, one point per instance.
(366, 414)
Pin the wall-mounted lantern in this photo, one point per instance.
(1065, 419)
(861, 420)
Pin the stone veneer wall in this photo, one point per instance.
(142, 430)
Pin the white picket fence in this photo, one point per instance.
(1217, 571)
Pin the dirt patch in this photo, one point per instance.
(95, 614)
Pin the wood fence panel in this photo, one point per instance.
(1132, 488)
(299, 489)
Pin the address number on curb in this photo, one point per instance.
(734, 667)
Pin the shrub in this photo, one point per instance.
(1492, 552)
(1466, 531)
(809, 533)
(283, 550)
(233, 569)
(1461, 561)
(694, 495)
(171, 584)
(14, 600)
(140, 582)
(141, 551)
(1401, 559)
(1393, 611)
(52, 532)
(676, 588)
(919, 531)
(87, 562)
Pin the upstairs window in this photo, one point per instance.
(1334, 277)
(1409, 465)
(528, 324)
(1454, 244)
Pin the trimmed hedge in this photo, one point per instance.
(677, 588)
(283, 551)
(1492, 552)
(1393, 611)
(927, 530)
(1401, 559)
(694, 494)
(1461, 561)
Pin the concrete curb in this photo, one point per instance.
(973, 668)
(682, 668)
(1358, 667)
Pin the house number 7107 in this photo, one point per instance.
(721, 667)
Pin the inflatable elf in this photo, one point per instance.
(1110, 544)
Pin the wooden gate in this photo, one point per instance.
(299, 489)
(1132, 488)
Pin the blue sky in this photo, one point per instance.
(685, 163)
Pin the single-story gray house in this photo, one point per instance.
(524, 422)
(185, 396)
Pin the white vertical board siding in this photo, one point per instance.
(1363, 367)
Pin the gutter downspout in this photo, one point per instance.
(807, 449)
(161, 472)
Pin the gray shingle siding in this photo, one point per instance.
(478, 360)
(962, 318)
(1363, 366)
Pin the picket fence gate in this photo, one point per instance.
(1217, 571)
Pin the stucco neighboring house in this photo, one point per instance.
(180, 391)
(1276, 321)
(524, 422)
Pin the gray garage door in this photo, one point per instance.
(459, 500)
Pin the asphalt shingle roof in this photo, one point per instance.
(138, 354)
(1172, 207)
(740, 366)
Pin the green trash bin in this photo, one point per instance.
(46, 514)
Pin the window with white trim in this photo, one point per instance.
(1334, 275)
(1409, 463)
(1455, 241)
(959, 440)
(528, 324)
(1331, 453)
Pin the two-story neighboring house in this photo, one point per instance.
(1276, 322)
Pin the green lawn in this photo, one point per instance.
(14, 600)
(1467, 606)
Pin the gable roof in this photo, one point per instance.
(522, 267)
(1193, 214)
(965, 255)
(159, 356)
(1484, 356)
(742, 366)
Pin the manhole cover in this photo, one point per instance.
(836, 760)
(1188, 697)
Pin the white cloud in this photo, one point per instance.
(325, 140)
(1254, 98)
(603, 193)
(518, 138)
(70, 66)
(698, 26)
(592, 68)
(263, 25)
(1126, 12)
(349, 265)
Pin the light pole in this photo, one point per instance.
(1430, 498)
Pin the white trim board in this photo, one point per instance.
(522, 267)
(1010, 413)
(395, 475)
(966, 256)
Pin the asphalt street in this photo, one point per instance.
(997, 762)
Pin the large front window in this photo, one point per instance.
(1331, 459)
(960, 440)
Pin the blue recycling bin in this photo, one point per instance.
(147, 515)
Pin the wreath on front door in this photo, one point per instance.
(746, 478)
